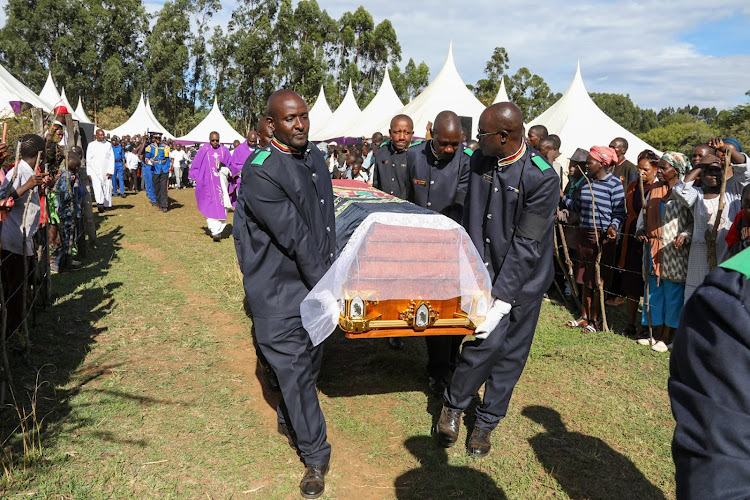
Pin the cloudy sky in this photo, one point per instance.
(661, 52)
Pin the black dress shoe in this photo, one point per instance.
(479, 442)
(313, 483)
(436, 385)
(288, 434)
(448, 426)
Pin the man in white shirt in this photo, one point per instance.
(100, 166)
(177, 158)
(131, 161)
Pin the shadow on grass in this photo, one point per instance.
(435, 478)
(61, 338)
(585, 466)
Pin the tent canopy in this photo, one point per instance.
(502, 94)
(320, 112)
(347, 111)
(139, 122)
(81, 112)
(49, 92)
(213, 122)
(64, 102)
(158, 124)
(13, 93)
(446, 92)
(579, 123)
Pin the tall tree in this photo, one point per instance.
(486, 88)
(530, 93)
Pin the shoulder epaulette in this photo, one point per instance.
(385, 142)
(739, 263)
(261, 157)
(540, 162)
(415, 144)
(469, 151)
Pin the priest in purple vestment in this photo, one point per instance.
(210, 170)
(239, 155)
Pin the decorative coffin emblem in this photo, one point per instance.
(419, 315)
(357, 308)
(422, 317)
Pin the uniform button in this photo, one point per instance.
(486, 240)
(429, 204)
(314, 175)
(322, 201)
(432, 182)
(497, 189)
(489, 216)
(393, 178)
(391, 192)
(330, 255)
(328, 228)
(486, 264)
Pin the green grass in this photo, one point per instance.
(150, 390)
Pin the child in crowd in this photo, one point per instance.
(69, 195)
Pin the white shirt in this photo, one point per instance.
(131, 159)
(12, 234)
(176, 157)
(100, 160)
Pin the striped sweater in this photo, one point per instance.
(609, 197)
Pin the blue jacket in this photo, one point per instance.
(159, 156)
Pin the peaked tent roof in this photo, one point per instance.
(320, 111)
(343, 114)
(64, 101)
(446, 92)
(159, 127)
(49, 92)
(581, 124)
(502, 94)
(81, 112)
(13, 91)
(213, 122)
(139, 122)
(384, 105)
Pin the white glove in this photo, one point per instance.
(496, 313)
(329, 305)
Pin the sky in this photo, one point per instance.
(660, 52)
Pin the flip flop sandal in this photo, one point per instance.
(592, 327)
(577, 323)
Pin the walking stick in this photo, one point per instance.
(597, 265)
(569, 263)
(713, 232)
(571, 283)
(646, 254)
(24, 291)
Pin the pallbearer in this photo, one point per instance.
(439, 176)
(510, 207)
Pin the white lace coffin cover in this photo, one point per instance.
(398, 256)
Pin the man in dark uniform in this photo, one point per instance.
(157, 155)
(439, 174)
(708, 387)
(509, 212)
(287, 246)
(390, 173)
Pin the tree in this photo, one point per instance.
(622, 110)
(112, 117)
(680, 137)
(486, 88)
(530, 93)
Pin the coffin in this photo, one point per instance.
(401, 270)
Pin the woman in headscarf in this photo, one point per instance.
(703, 202)
(631, 256)
(667, 227)
(601, 204)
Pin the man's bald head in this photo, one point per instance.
(288, 118)
(401, 131)
(620, 145)
(213, 139)
(501, 130)
(446, 134)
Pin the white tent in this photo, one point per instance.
(49, 92)
(343, 114)
(502, 94)
(139, 122)
(446, 92)
(581, 124)
(159, 126)
(64, 101)
(213, 122)
(384, 105)
(320, 111)
(81, 112)
(13, 91)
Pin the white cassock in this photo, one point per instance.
(100, 161)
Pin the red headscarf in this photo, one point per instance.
(606, 155)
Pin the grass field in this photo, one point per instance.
(147, 386)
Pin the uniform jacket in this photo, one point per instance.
(390, 173)
(159, 157)
(289, 236)
(508, 214)
(438, 184)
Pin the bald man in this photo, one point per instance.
(100, 166)
(389, 172)
(287, 243)
(439, 175)
(625, 170)
(510, 207)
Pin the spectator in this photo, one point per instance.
(738, 237)
(667, 227)
(536, 133)
(631, 256)
(602, 210)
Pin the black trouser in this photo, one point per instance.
(160, 189)
(441, 353)
(287, 348)
(496, 362)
